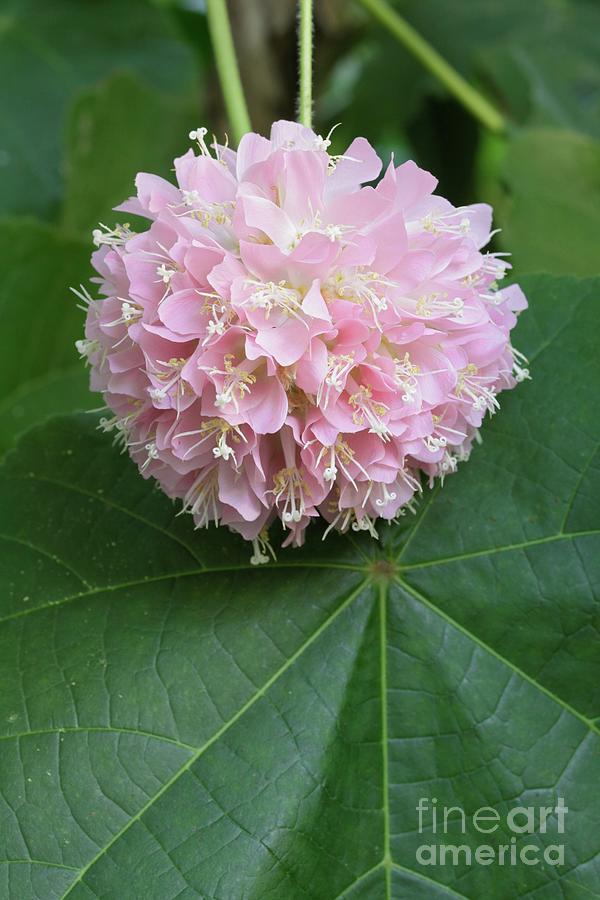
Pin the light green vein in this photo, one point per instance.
(100, 498)
(578, 484)
(36, 862)
(168, 576)
(441, 887)
(490, 551)
(502, 659)
(82, 595)
(385, 786)
(95, 729)
(357, 881)
(582, 887)
(420, 516)
(405, 871)
(47, 554)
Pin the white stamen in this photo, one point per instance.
(365, 523)
(365, 288)
(236, 382)
(474, 387)
(201, 500)
(338, 368)
(281, 296)
(130, 312)
(112, 237)
(260, 546)
(405, 377)
(520, 372)
(288, 485)
(165, 273)
(369, 411)
(340, 455)
(435, 304)
(152, 451)
(84, 295)
(191, 198)
(86, 348)
(388, 496)
(441, 223)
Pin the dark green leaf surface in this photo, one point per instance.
(177, 724)
(49, 51)
(58, 391)
(39, 369)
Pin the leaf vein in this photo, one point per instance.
(113, 505)
(217, 570)
(589, 723)
(221, 731)
(490, 551)
(47, 554)
(443, 887)
(95, 729)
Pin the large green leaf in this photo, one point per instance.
(51, 50)
(551, 219)
(177, 724)
(39, 369)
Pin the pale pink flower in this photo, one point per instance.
(286, 341)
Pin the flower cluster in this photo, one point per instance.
(288, 340)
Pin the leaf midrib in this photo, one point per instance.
(404, 870)
(387, 855)
(387, 863)
(216, 570)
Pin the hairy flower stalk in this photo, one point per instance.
(287, 341)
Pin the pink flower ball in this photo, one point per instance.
(285, 342)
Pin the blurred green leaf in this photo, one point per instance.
(39, 369)
(538, 61)
(176, 723)
(118, 129)
(551, 217)
(550, 75)
(374, 90)
(48, 52)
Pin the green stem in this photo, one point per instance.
(305, 50)
(470, 98)
(227, 67)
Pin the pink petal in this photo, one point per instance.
(359, 165)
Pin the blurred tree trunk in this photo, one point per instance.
(264, 32)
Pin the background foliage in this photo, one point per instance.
(170, 726)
